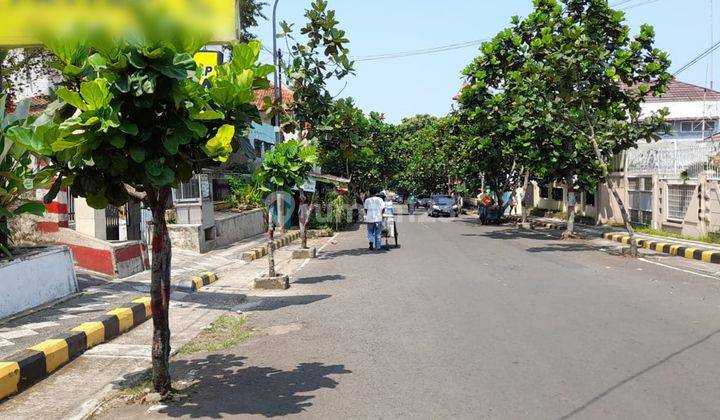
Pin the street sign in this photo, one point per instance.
(208, 61)
(22, 21)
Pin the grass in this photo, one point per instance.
(225, 332)
(711, 238)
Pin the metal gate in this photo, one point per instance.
(132, 219)
(112, 223)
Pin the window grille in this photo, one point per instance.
(678, 200)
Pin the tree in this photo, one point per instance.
(140, 123)
(567, 72)
(309, 66)
(249, 12)
(285, 167)
(17, 174)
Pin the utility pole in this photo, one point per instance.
(276, 74)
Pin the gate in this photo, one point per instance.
(132, 219)
(112, 223)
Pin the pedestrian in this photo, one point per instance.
(374, 210)
(411, 203)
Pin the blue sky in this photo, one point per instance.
(407, 86)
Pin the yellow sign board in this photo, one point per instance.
(208, 61)
(21, 21)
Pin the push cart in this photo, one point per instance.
(390, 230)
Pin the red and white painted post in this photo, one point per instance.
(56, 213)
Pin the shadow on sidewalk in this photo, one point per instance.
(223, 386)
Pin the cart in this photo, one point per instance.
(389, 230)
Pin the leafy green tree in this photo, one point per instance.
(574, 80)
(17, 174)
(311, 64)
(285, 167)
(136, 122)
(249, 13)
(321, 56)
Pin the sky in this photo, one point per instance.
(425, 84)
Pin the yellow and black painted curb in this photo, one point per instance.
(197, 282)
(26, 367)
(544, 225)
(690, 252)
(262, 251)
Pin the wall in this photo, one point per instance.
(229, 228)
(35, 278)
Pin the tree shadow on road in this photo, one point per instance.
(221, 385)
(354, 252)
(271, 303)
(319, 279)
(563, 247)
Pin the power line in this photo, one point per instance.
(423, 51)
(697, 58)
(466, 44)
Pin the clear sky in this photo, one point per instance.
(402, 87)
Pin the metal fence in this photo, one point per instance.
(675, 158)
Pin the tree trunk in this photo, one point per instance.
(523, 203)
(618, 199)
(305, 216)
(570, 230)
(4, 240)
(280, 203)
(271, 243)
(160, 294)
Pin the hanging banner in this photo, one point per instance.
(21, 21)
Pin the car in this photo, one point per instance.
(424, 201)
(443, 205)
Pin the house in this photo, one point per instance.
(671, 184)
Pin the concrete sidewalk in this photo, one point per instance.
(100, 294)
(101, 370)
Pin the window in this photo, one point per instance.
(679, 197)
(589, 199)
(640, 199)
(557, 194)
(693, 128)
(544, 191)
(258, 148)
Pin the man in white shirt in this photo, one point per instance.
(374, 210)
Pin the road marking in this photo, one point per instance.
(17, 333)
(678, 269)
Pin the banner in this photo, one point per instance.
(21, 21)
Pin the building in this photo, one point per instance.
(671, 184)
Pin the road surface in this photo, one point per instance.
(469, 321)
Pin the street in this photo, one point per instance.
(467, 321)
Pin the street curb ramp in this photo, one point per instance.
(671, 248)
(26, 367)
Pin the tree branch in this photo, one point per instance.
(132, 192)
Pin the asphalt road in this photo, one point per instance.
(469, 321)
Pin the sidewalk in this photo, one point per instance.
(100, 294)
(77, 388)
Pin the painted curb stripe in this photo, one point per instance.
(28, 366)
(692, 253)
(94, 333)
(197, 282)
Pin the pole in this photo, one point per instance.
(276, 74)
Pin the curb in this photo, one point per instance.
(197, 282)
(689, 252)
(26, 367)
(554, 226)
(262, 251)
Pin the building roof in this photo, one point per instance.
(685, 92)
(261, 94)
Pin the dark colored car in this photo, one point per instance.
(424, 201)
(443, 205)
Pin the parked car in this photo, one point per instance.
(443, 205)
(424, 201)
